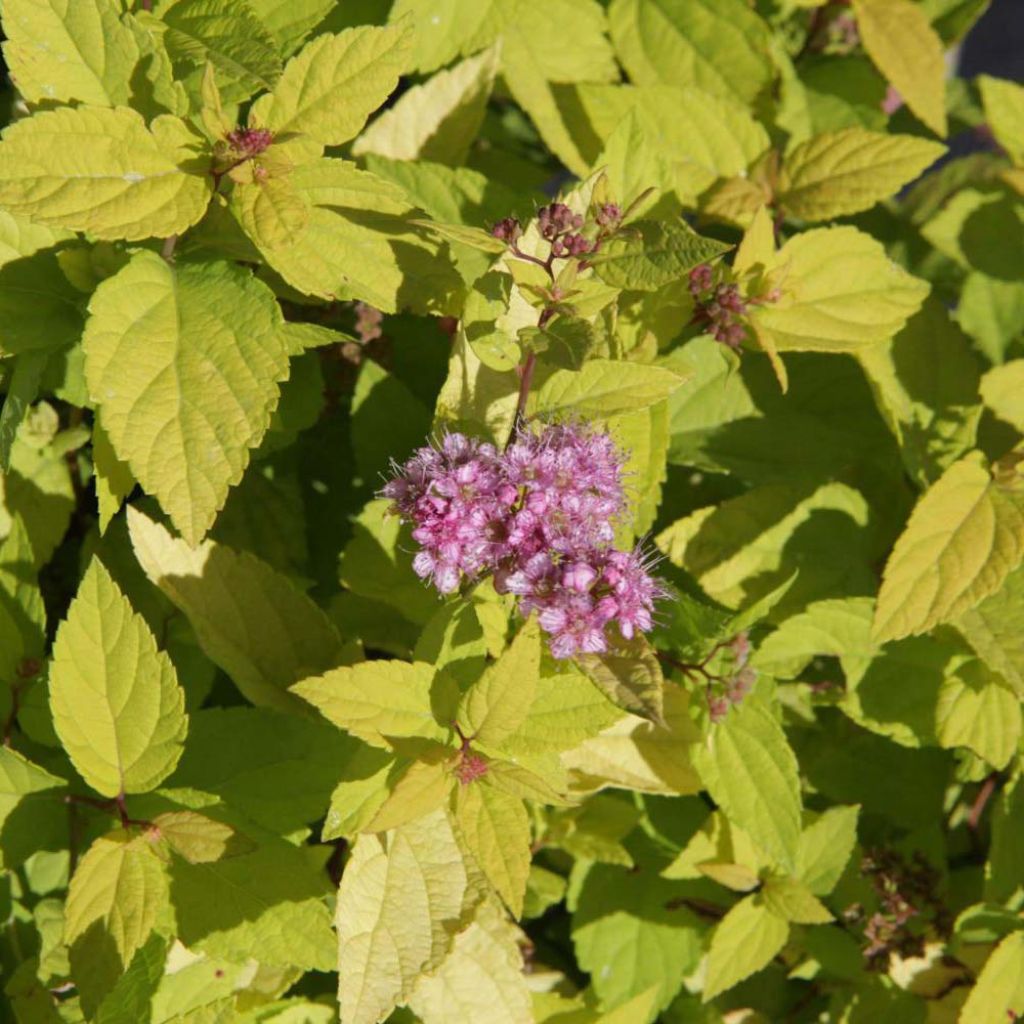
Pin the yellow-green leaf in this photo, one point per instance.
(117, 893)
(481, 979)
(839, 290)
(331, 86)
(908, 51)
(497, 704)
(844, 172)
(720, 45)
(745, 940)
(630, 677)
(435, 121)
(249, 619)
(70, 50)
(793, 901)
(271, 211)
(1004, 111)
(114, 480)
(1002, 388)
(965, 535)
(999, 991)
(604, 387)
(496, 831)
(380, 698)
(116, 702)
(185, 417)
(199, 839)
(103, 171)
(979, 710)
(19, 237)
(403, 894)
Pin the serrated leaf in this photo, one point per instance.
(630, 934)
(995, 629)
(630, 677)
(22, 390)
(362, 64)
(129, 1000)
(839, 291)
(636, 754)
(268, 904)
(925, 382)
(435, 121)
(496, 831)
(825, 847)
(381, 698)
(746, 939)
(288, 21)
(648, 255)
(838, 173)
(750, 770)
(227, 35)
(271, 211)
(723, 47)
(40, 310)
(903, 45)
(248, 618)
(979, 710)
(70, 50)
(992, 312)
(116, 702)
(347, 249)
(118, 891)
(480, 979)
(1004, 112)
(1002, 388)
(999, 990)
(416, 788)
(604, 387)
(199, 839)
(102, 171)
(401, 897)
(114, 479)
(965, 535)
(20, 778)
(793, 901)
(19, 237)
(185, 418)
(495, 706)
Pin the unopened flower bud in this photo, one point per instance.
(508, 230)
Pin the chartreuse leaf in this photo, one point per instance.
(630, 677)
(437, 120)
(199, 839)
(362, 64)
(750, 770)
(20, 778)
(268, 904)
(402, 896)
(999, 991)
(70, 50)
(652, 254)
(115, 698)
(357, 224)
(118, 891)
(271, 211)
(40, 309)
(185, 417)
(636, 754)
(979, 710)
(381, 698)
(723, 47)
(480, 979)
(103, 171)
(793, 901)
(1002, 388)
(114, 480)
(129, 1000)
(497, 704)
(840, 173)
(991, 311)
(21, 237)
(604, 387)
(995, 629)
(630, 934)
(1004, 113)
(839, 291)
(746, 939)
(965, 535)
(496, 830)
(825, 847)
(227, 35)
(419, 784)
(908, 51)
(925, 382)
(22, 390)
(248, 618)
(288, 21)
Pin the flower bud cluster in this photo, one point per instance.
(249, 142)
(718, 305)
(540, 518)
(732, 688)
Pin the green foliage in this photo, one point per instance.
(252, 769)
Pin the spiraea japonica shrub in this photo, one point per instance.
(512, 511)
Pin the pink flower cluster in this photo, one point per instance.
(540, 517)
